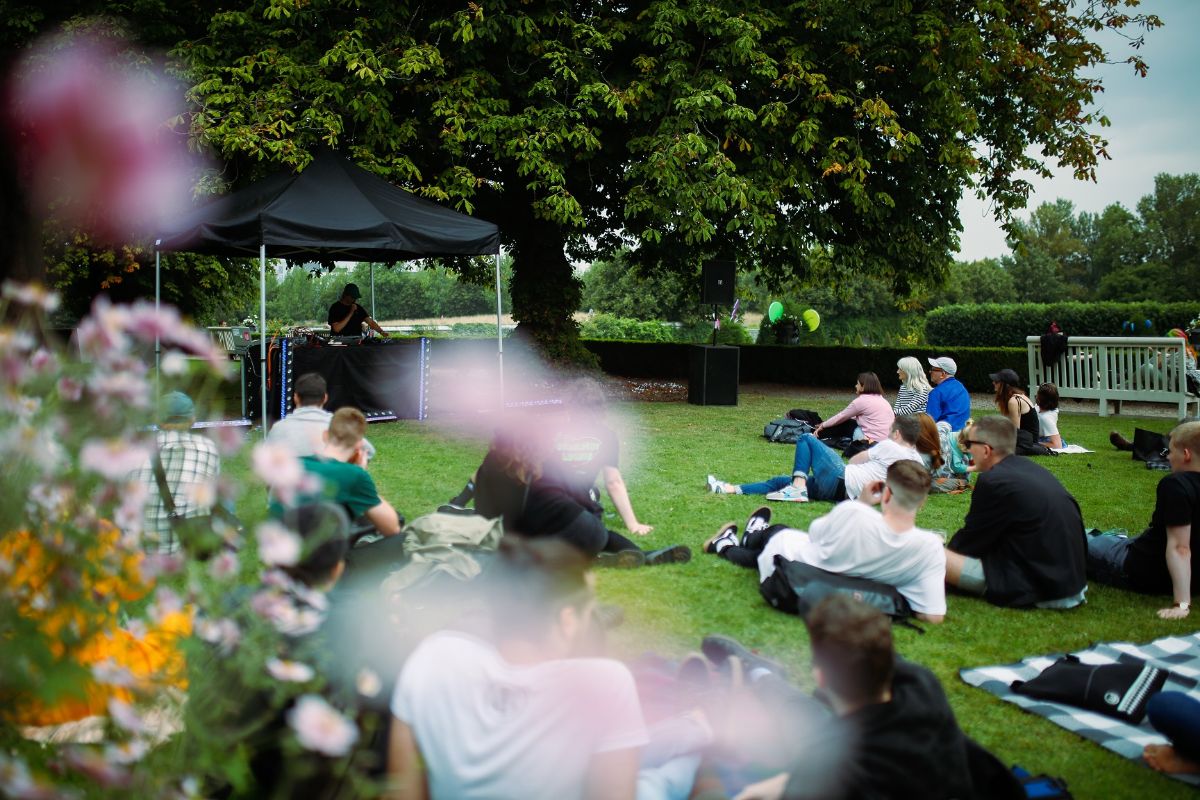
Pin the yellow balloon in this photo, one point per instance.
(812, 320)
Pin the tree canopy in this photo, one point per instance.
(680, 129)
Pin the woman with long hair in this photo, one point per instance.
(1047, 408)
(1012, 402)
(929, 444)
(914, 387)
(868, 409)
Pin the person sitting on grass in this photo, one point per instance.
(869, 409)
(303, 430)
(897, 736)
(818, 472)
(855, 539)
(1022, 542)
(1160, 560)
(914, 387)
(1047, 409)
(1176, 716)
(1012, 402)
(524, 711)
(948, 399)
(509, 485)
(341, 468)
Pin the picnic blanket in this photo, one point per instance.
(1179, 655)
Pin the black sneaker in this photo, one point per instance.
(675, 554)
(622, 559)
(718, 650)
(727, 532)
(758, 521)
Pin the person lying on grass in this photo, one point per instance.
(855, 539)
(1160, 560)
(818, 472)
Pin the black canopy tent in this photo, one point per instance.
(333, 210)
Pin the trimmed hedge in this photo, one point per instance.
(807, 366)
(1007, 325)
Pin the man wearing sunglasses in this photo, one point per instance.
(1022, 543)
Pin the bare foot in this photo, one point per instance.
(1162, 757)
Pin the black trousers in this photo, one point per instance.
(746, 555)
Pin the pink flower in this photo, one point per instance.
(124, 716)
(93, 765)
(136, 628)
(223, 566)
(229, 440)
(279, 468)
(367, 682)
(112, 458)
(222, 632)
(70, 389)
(118, 389)
(320, 727)
(101, 334)
(166, 602)
(277, 546)
(43, 361)
(290, 671)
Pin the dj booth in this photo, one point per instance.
(384, 378)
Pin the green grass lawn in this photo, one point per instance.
(668, 448)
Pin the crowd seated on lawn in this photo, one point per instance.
(552, 723)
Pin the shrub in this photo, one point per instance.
(1007, 325)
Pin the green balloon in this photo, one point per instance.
(775, 311)
(811, 319)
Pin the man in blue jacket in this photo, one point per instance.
(949, 399)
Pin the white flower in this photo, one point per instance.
(292, 671)
(126, 752)
(111, 673)
(125, 716)
(367, 682)
(173, 363)
(321, 728)
(166, 602)
(201, 494)
(277, 546)
(31, 294)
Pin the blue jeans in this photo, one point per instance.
(820, 464)
(1177, 716)
(1106, 559)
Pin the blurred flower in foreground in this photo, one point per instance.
(320, 727)
(292, 671)
(96, 146)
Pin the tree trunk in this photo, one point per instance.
(546, 293)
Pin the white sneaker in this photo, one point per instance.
(714, 485)
(790, 494)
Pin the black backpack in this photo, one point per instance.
(786, 430)
(797, 588)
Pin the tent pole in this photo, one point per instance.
(262, 332)
(499, 332)
(372, 290)
(157, 310)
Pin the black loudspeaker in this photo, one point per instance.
(718, 283)
(713, 375)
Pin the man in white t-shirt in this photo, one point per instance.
(518, 715)
(855, 539)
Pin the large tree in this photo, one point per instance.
(683, 128)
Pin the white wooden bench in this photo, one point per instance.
(1116, 368)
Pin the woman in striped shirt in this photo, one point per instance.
(914, 387)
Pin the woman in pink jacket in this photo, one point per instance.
(869, 409)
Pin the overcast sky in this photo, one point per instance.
(1155, 128)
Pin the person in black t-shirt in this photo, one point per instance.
(895, 735)
(346, 316)
(1160, 560)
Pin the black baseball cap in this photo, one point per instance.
(352, 290)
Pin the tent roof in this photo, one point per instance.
(333, 209)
